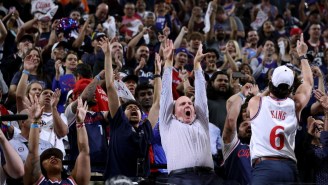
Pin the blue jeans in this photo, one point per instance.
(275, 172)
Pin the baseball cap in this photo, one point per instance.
(295, 31)
(98, 35)
(58, 44)
(282, 75)
(26, 37)
(184, 50)
(51, 152)
(130, 77)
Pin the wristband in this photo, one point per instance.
(98, 77)
(80, 125)
(35, 125)
(242, 96)
(26, 72)
(157, 76)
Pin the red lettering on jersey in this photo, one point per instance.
(243, 153)
(278, 114)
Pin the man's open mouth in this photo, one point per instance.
(188, 113)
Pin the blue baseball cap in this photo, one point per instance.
(184, 50)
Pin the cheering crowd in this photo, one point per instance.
(184, 92)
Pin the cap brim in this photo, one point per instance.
(51, 152)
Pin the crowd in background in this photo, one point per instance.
(113, 53)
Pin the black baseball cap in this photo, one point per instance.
(26, 37)
(130, 77)
(51, 152)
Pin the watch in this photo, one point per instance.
(303, 57)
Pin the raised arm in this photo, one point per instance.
(79, 40)
(82, 170)
(178, 40)
(3, 32)
(154, 110)
(233, 106)
(109, 76)
(23, 82)
(303, 92)
(133, 43)
(32, 164)
(60, 128)
(166, 99)
(14, 166)
(89, 91)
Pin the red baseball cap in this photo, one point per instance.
(295, 31)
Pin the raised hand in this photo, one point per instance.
(104, 44)
(246, 89)
(166, 31)
(183, 74)
(55, 98)
(28, 63)
(301, 46)
(158, 64)
(316, 71)
(322, 98)
(34, 110)
(168, 50)
(81, 111)
(199, 55)
(58, 64)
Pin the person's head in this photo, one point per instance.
(37, 59)
(160, 7)
(141, 5)
(281, 82)
(150, 19)
(295, 35)
(75, 15)
(34, 88)
(233, 48)
(268, 27)
(181, 57)
(269, 47)
(51, 162)
(315, 31)
(45, 97)
(219, 81)
(59, 50)
(131, 82)
(44, 25)
(142, 52)
(211, 59)
(117, 49)
(83, 71)
(96, 37)
(314, 17)
(195, 39)
(252, 37)
(129, 9)
(132, 110)
(184, 110)
(318, 127)
(221, 15)
(246, 69)
(144, 94)
(79, 87)
(71, 61)
(119, 180)
(279, 22)
(25, 43)
(102, 12)
(197, 11)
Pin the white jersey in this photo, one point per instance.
(273, 129)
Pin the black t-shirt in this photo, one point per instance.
(126, 146)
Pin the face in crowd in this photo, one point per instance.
(221, 83)
(184, 110)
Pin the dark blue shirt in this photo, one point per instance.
(126, 145)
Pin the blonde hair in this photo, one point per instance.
(237, 48)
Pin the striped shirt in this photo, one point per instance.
(185, 145)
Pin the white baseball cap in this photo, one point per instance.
(282, 75)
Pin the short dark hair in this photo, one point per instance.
(84, 70)
(211, 50)
(143, 86)
(280, 92)
(129, 102)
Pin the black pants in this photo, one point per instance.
(194, 178)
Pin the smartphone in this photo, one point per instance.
(238, 75)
